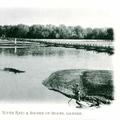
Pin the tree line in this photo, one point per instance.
(55, 32)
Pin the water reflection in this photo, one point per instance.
(32, 50)
(36, 50)
(13, 51)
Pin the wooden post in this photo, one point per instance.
(15, 41)
(15, 50)
(81, 82)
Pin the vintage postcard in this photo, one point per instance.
(57, 60)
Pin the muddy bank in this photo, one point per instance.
(92, 84)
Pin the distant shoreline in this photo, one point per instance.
(90, 45)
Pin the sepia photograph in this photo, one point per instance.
(56, 55)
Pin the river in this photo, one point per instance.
(39, 63)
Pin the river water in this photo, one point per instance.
(39, 63)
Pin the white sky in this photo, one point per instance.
(87, 13)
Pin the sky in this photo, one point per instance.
(87, 13)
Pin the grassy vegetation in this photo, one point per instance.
(94, 85)
(98, 83)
